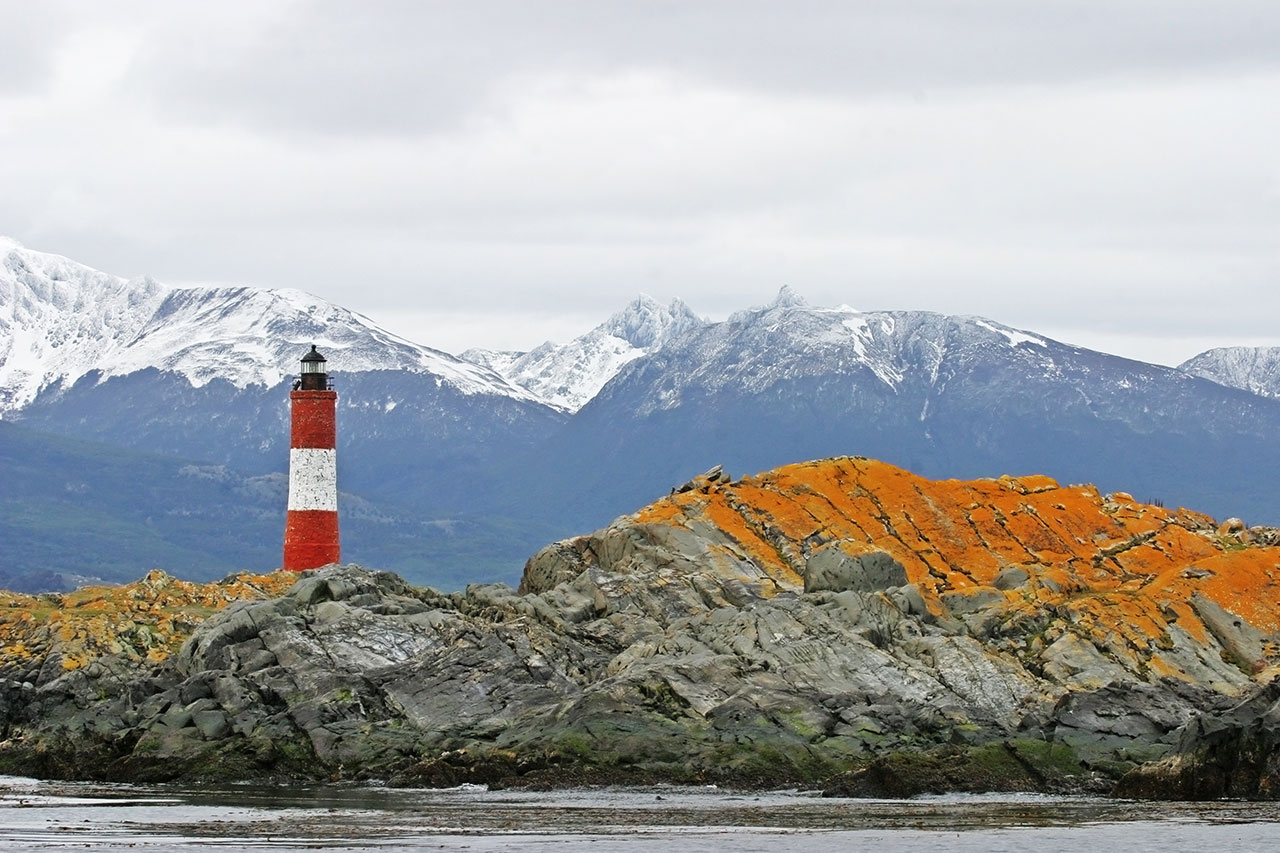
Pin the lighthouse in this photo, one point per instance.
(311, 528)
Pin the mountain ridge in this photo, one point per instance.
(69, 321)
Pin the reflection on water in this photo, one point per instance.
(49, 816)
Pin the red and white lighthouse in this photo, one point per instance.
(311, 530)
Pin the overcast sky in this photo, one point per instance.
(497, 174)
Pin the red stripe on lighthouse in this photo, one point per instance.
(310, 539)
(311, 528)
(313, 423)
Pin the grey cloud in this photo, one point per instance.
(346, 68)
(412, 158)
(30, 35)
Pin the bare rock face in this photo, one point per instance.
(813, 623)
(1233, 754)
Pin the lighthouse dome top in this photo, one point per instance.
(313, 355)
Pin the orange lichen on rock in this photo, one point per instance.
(749, 537)
(42, 636)
(946, 533)
(1125, 572)
(1244, 582)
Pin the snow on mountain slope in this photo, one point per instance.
(787, 339)
(568, 375)
(499, 361)
(60, 320)
(1253, 369)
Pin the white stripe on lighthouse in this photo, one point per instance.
(313, 478)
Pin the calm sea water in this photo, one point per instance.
(58, 816)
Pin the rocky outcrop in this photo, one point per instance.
(840, 620)
(1234, 754)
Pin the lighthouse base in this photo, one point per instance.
(310, 539)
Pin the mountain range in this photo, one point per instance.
(454, 469)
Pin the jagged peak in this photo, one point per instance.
(1255, 369)
(643, 301)
(544, 348)
(646, 324)
(788, 298)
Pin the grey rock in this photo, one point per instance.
(646, 649)
(212, 724)
(973, 600)
(1011, 578)
(1079, 665)
(1224, 753)
(1242, 642)
(836, 569)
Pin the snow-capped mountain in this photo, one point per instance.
(787, 340)
(60, 320)
(1253, 369)
(568, 375)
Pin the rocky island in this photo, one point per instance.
(841, 623)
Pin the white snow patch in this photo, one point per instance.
(1013, 336)
(861, 330)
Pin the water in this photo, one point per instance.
(61, 816)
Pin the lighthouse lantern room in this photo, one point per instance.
(313, 377)
(311, 527)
